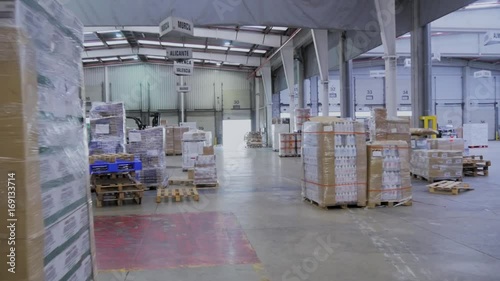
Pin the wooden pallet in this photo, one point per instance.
(438, 179)
(119, 195)
(111, 158)
(390, 204)
(475, 165)
(337, 206)
(177, 194)
(119, 184)
(449, 187)
(180, 181)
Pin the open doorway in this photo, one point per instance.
(234, 132)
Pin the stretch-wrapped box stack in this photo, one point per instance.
(178, 135)
(205, 170)
(276, 130)
(433, 164)
(383, 128)
(302, 115)
(389, 178)
(446, 144)
(169, 140)
(107, 128)
(149, 146)
(44, 158)
(290, 144)
(334, 162)
(192, 146)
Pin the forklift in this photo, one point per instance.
(141, 126)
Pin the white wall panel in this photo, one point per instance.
(127, 83)
(163, 86)
(206, 120)
(404, 90)
(484, 113)
(202, 83)
(236, 88)
(482, 88)
(448, 87)
(237, 115)
(94, 84)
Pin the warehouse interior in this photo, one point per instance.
(244, 140)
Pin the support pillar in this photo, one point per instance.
(299, 64)
(320, 39)
(346, 88)
(107, 94)
(257, 104)
(421, 68)
(386, 15)
(183, 119)
(265, 72)
(287, 59)
(466, 108)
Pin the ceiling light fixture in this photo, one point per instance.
(196, 46)
(93, 44)
(108, 31)
(257, 51)
(109, 59)
(170, 44)
(156, 57)
(89, 60)
(129, 58)
(217, 48)
(240, 50)
(149, 42)
(117, 42)
(227, 43)
(279, 28)
(255, 26)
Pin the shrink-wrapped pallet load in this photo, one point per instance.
(290, 144)
(334, 162)
(433, 164)
(107, 128)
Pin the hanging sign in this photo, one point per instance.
(491, 38)
(183, 68)
(178, 26)
(179, 53)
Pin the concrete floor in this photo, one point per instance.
(441, 237)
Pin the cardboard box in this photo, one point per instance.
(190, 174)
(447, 144)
(208, 150)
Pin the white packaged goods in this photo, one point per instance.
(476, 134)
(192, 146)
(107, 128)
(205, 170)
(389, 177)
(278, 129)
(433, 164)
(44, 146)
(290, 144)
(149, 146)
(302, 115)
(383, 128)
(334, 161)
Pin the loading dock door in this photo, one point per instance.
(449, 114)
(485, 113)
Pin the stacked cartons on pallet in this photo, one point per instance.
(205, 168)
(178, 135)
(149, 146)
(302, 115)
(334, 162)
(290, 145)
(383, 128)
(107, 128)
(276, 130)
(44, 151)
(389, 178)
(192, 146)
(446, 144)
(437, 164)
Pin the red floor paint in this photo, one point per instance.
(170, 241)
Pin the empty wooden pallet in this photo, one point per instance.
(449, 187)
(177, 194)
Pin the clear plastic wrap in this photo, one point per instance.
(435, 164)
(383, 128)
(178, 135)
(44, 151)
(276, 130)
(290, 144)
(205, 170)
(107, 128)
(389, 178)
(302, 115)
(334, 162)
(149, 146)
(169, 140)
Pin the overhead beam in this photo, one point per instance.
(467, 21)
(258, 38)
(245, 60)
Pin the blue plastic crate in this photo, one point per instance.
(120, 166)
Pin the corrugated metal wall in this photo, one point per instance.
(94, 83)
(131, 84)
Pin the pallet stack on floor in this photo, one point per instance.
(476, 165)
(254, 140)
(113, 176)
(290, 144)
(107, 128)
(44, 149)
(148, 146)
(173, 140)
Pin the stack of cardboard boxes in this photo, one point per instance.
(173, 139)
(148, 146)
(334, 162)
(193, 143)
(442, 160)
(290, 144)
(276, 130)
(302, 115)
(388, 159)
(44, 159)
(107, 128)
(205, 168)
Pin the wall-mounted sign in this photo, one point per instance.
(173, 25)
(482, 74)
(183, 68)
(377, 73)
(183, 89)
(179, 53)
(491, 38)
(407, 63)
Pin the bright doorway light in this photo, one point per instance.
(234, 133)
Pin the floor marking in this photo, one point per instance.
(261, 272)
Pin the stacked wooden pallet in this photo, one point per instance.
(476, 166)
(177, 194)
(117, 188)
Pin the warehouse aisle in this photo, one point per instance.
(256, 227)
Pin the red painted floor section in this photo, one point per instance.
(170, 241)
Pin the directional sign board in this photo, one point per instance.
(173, 25)
(179, 53)
(491, 38)
(183, 89)
(183, 68)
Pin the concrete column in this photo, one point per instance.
(466, 82)
(421, 68)
(268, 92)
(107, 94)
(320, 39)
(183, 119)
(346, 87)
(257, 104)
(299, 64)
(386, 14)
(287, 59)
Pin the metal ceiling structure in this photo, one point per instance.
(225, 31)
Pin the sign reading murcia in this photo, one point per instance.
(173, 25)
